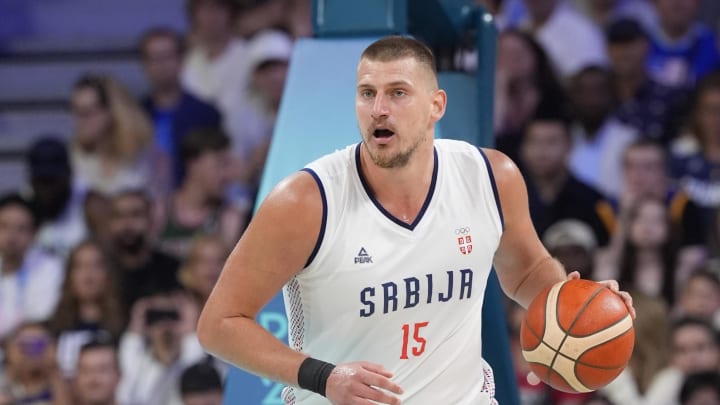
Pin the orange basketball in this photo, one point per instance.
(577, 336)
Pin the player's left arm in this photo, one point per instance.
(523, 265)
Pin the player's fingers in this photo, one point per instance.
(574, 275)
(377, 369)
(611, 284)
(628, 302)
(377, 395)
(380, 381)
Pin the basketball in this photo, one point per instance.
(577, 336)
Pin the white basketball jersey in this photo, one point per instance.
(407, 296)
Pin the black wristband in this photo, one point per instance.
(313, 375)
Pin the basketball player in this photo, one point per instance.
(383, 249)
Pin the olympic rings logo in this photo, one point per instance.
(462, 231)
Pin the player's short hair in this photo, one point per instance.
(397, 47)
(196, 142)
(161, 32)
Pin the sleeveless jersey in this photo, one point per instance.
(407, 296)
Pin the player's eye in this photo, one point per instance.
(399, 93)
(366, 93)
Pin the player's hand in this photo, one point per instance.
(614, 287)
(361, 383)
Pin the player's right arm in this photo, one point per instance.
(276, 246)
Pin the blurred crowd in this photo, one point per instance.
(611, 108)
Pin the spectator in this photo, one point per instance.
(647, 260)
(199, 204)
(605, 12)
(113, 146)
(215, 67)
(95, 209)
(645, 175)
(682, 50)
(697, 158)
(525, 85)
(200, 384)
(268, 59)
(29, 278)
(700, 296)
(98, 373)
(257, 15)
(56, 197)
(31, 375)
(701, 389)
(89, 303)
(653, 109)
(570, 39)
(572, 243)
(202, 268)
(174, 111)
(142, 269)
(553, 192)
(599, 138)
(649, 355)
(158, 345)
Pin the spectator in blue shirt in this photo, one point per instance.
(682, 50)
(653, 109)
(173, 110)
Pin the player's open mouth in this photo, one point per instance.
(383, 133)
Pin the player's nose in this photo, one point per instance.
(380, 107)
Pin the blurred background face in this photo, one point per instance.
(574, 257)
(628, 59)
(203, 398)
(210, 171)
(97, 376)
(701, 298)
(165, 331)
(708, 114)
(16, 232)
(644, 172)
(130, 223)
(211, 20)
(514, 56)
(31, 351)
(649, 226)
(678, 14)
(694, 349)
(268, 80)
(591, 97)
(88, 273)
(205, 264)
(545, 148)
(162, 62)
(92, 120)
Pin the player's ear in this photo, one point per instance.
(439, 102)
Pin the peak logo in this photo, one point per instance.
(363, 257)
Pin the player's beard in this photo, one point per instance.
(391, 161)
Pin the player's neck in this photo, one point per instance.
(401, 190)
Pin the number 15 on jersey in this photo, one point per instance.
(417, 346)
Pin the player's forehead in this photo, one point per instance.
(383, 73)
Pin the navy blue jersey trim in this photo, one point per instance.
(494, 187)
(323, 224)
(426, 203)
